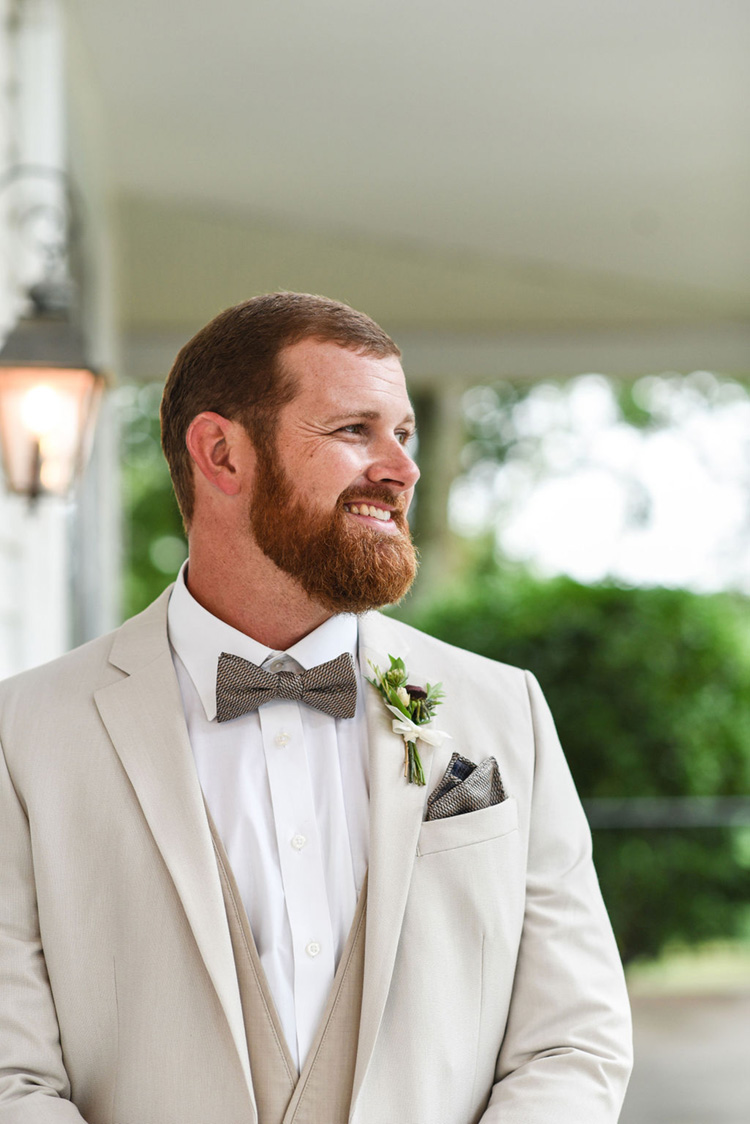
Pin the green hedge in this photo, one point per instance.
(650, 689)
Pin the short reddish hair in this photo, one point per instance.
(231, 367)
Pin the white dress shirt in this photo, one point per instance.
(287, 787)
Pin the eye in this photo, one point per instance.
(355, 427)
(404, 436)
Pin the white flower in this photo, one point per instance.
(403, 696)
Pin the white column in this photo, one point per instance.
(34, 583)
(42, 609)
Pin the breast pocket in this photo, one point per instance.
(468, 829)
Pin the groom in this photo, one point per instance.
(221, 899)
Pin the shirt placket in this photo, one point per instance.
(301, 863)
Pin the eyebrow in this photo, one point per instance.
(370, 415)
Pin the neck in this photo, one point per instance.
(252, 595)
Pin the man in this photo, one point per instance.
(221, 899)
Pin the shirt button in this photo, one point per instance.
(276, 665)
(282, 738)
(312, 949)
(298, 841)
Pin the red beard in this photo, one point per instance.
(345, 566)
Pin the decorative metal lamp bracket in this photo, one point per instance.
(49, 228)
(48, 390)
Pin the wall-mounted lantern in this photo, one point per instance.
(48, 400)
(49, 392)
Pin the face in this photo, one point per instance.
(332, 489)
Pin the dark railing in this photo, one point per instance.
(668, 811)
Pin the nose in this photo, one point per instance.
(395, 466)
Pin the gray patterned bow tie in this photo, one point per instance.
(242, 686)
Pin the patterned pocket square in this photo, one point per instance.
(466, 787)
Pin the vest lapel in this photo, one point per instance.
(144, 718)
(396, 814)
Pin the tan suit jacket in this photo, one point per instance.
(492, 987)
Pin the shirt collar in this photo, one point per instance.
(199, 638)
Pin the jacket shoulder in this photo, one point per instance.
(68, 668)
(421, 645)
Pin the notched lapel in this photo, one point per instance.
(396, 814)
(144, 718)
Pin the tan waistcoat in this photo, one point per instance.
(323, 1091)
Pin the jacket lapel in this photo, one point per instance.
(396, 814)
(144, 718)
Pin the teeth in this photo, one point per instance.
(369, 509)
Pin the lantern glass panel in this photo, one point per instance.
(46, 422)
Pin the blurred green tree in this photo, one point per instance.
(650, 691)
(155, 545)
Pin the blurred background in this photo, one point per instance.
(547, 206)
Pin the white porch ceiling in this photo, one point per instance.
(479, 168)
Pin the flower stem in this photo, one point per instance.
(414, 772)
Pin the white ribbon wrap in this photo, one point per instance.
(411, 732)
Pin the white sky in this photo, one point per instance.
(590, 496)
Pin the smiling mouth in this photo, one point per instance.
(381, 513)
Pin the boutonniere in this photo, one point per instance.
(413, 708)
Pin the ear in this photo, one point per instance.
(219, 449)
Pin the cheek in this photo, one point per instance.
(334, 473)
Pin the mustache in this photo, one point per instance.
(377, 494)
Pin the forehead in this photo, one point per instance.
(326, 374)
